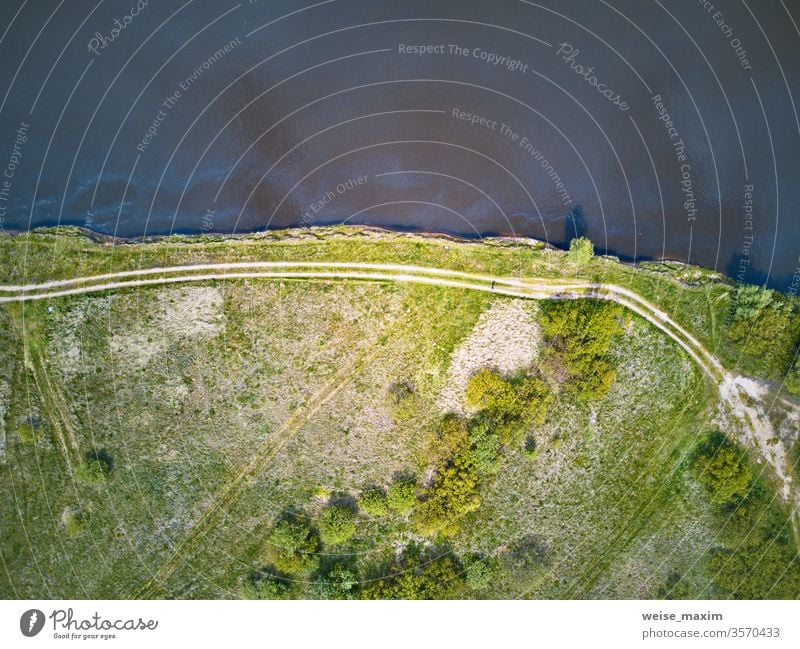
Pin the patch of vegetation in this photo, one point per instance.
(265, 585)
(525, 559)
(339, 582)
(293, 545)
(453, 494)
(402, 496)
(95, 468)
(485, 444)
(579, 334)
(481, 573)
(792, 380)
(337, 524)
(723, 468)
(508, 405)
(581, 251)
(418, 574)
(374, 502)
(404, 400)
(755, 555)
(75, 521)
(764, 324)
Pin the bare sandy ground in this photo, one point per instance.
(506, 339)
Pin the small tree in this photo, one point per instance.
(723, 469)
(373, 502)
(293, 545)
(453, 494)
(402, 496)
(480, 572)
(265, 585)
(337, 524)
(581, 251)
(487, 390)
(340, 582)
(419, 573)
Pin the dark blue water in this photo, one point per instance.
(658, 129)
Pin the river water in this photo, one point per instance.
(663, 128)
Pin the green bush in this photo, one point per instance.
(484, 445)
(265, 585)
(337, 524)
(402, 496)
(340, 582)
(417, 575)
(487, 390)
(765, 326)
(522, 399)
(757, 556)
(450, 437)
(723, 469)
(374, 502)
(480, 572)
(579, 334)
(453, 494)
(581, 251)
(74, 521)
(95, 468)
(293, 546)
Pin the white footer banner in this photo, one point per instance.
(410, 625)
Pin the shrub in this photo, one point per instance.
(723, 469)
(74, 521)
(581, 251)
(579, 333)
(95, 468)
(450, 437)
(480, 572)
(340, 582)
(522, 397)
(453, 494)
(374, 502)
(485, 445)
(402, 496)
(792, 379)
(765, 325)
(417, 575)
(531, 448)
(265, 585)
(337, 524)
(534, 398)
(403, 398)
(293, 545)
(487, 390)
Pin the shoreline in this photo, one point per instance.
(367, 231)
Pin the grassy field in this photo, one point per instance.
(218, 411)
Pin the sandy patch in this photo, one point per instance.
(506, 339)
(180, 313)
